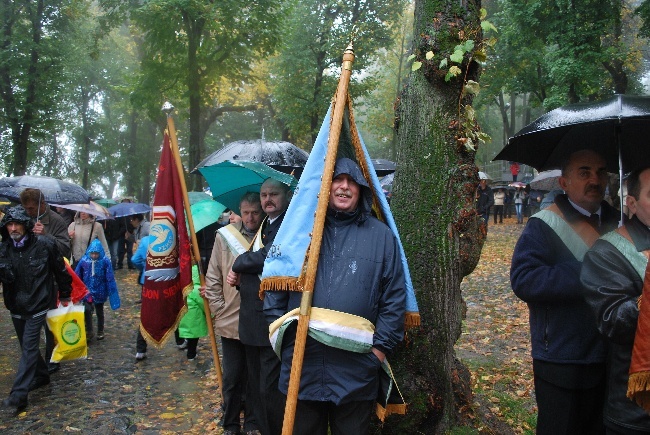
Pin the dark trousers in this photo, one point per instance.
(236, 387)
(498, 211)
(113, 247)
(313, 418)
(569, 411)
(486, 217)
(125, 247)
(263, 376)
(192, 343)
(272, 398)
(140, 343)
(254, 400)
(618, 430)
(31, 364)
(49, 343)
(88, 317)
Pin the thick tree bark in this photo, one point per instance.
(434, 208)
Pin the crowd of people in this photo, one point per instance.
(504, 202)
(339, 387)
(38, 246)
(581, 274)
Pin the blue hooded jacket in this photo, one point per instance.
(97, 274)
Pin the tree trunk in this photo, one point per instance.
(501, 104)
(434, 208)
(131, 178)
(513, 114)
(85, 135)
(196, 145)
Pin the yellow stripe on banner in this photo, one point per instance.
(329, 316)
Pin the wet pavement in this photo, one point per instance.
(111, 393)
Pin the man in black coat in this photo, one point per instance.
(29, 266)
(253, 328)
(613, 278)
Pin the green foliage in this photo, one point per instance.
(33, 38)
(305, 72)
(461, 57)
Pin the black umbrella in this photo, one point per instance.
(281, 156)
(54, 190)
(619, 123)
(383, 167)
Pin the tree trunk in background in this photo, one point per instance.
(513, 114)
(131, 179)
(434, 209)
(85, 135)
(501, 103)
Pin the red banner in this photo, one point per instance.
(168, 272)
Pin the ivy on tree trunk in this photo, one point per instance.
(433, 204)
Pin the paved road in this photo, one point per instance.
(109, 393)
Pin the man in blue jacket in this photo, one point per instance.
(360, 282)
(568, 352)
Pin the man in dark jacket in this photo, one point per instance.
(484, 200)
(568, 352)
(29, 266)
(612, 274)
(360, 276)
(47, 223)
(263, 364)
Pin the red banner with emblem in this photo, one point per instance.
(168, 271)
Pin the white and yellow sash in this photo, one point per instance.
(235, 240)
(342, 331)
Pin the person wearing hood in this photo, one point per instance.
(30, 264)
(82, 231)
(96, 271)
(359, 275)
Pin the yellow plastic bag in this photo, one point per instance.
(67, 325)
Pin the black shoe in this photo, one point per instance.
(38, 383)
(119, 266)
(100, 335)
(131, 267)
(53, 367)
(12, 406)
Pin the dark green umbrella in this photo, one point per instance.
(205, 213)
(230, 180)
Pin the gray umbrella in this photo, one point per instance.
(54, 190)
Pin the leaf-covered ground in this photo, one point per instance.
(495, 343)
(109, 393)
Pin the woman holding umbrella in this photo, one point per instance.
(82, 231)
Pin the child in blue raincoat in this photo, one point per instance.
(193, 324)
(96, 271)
